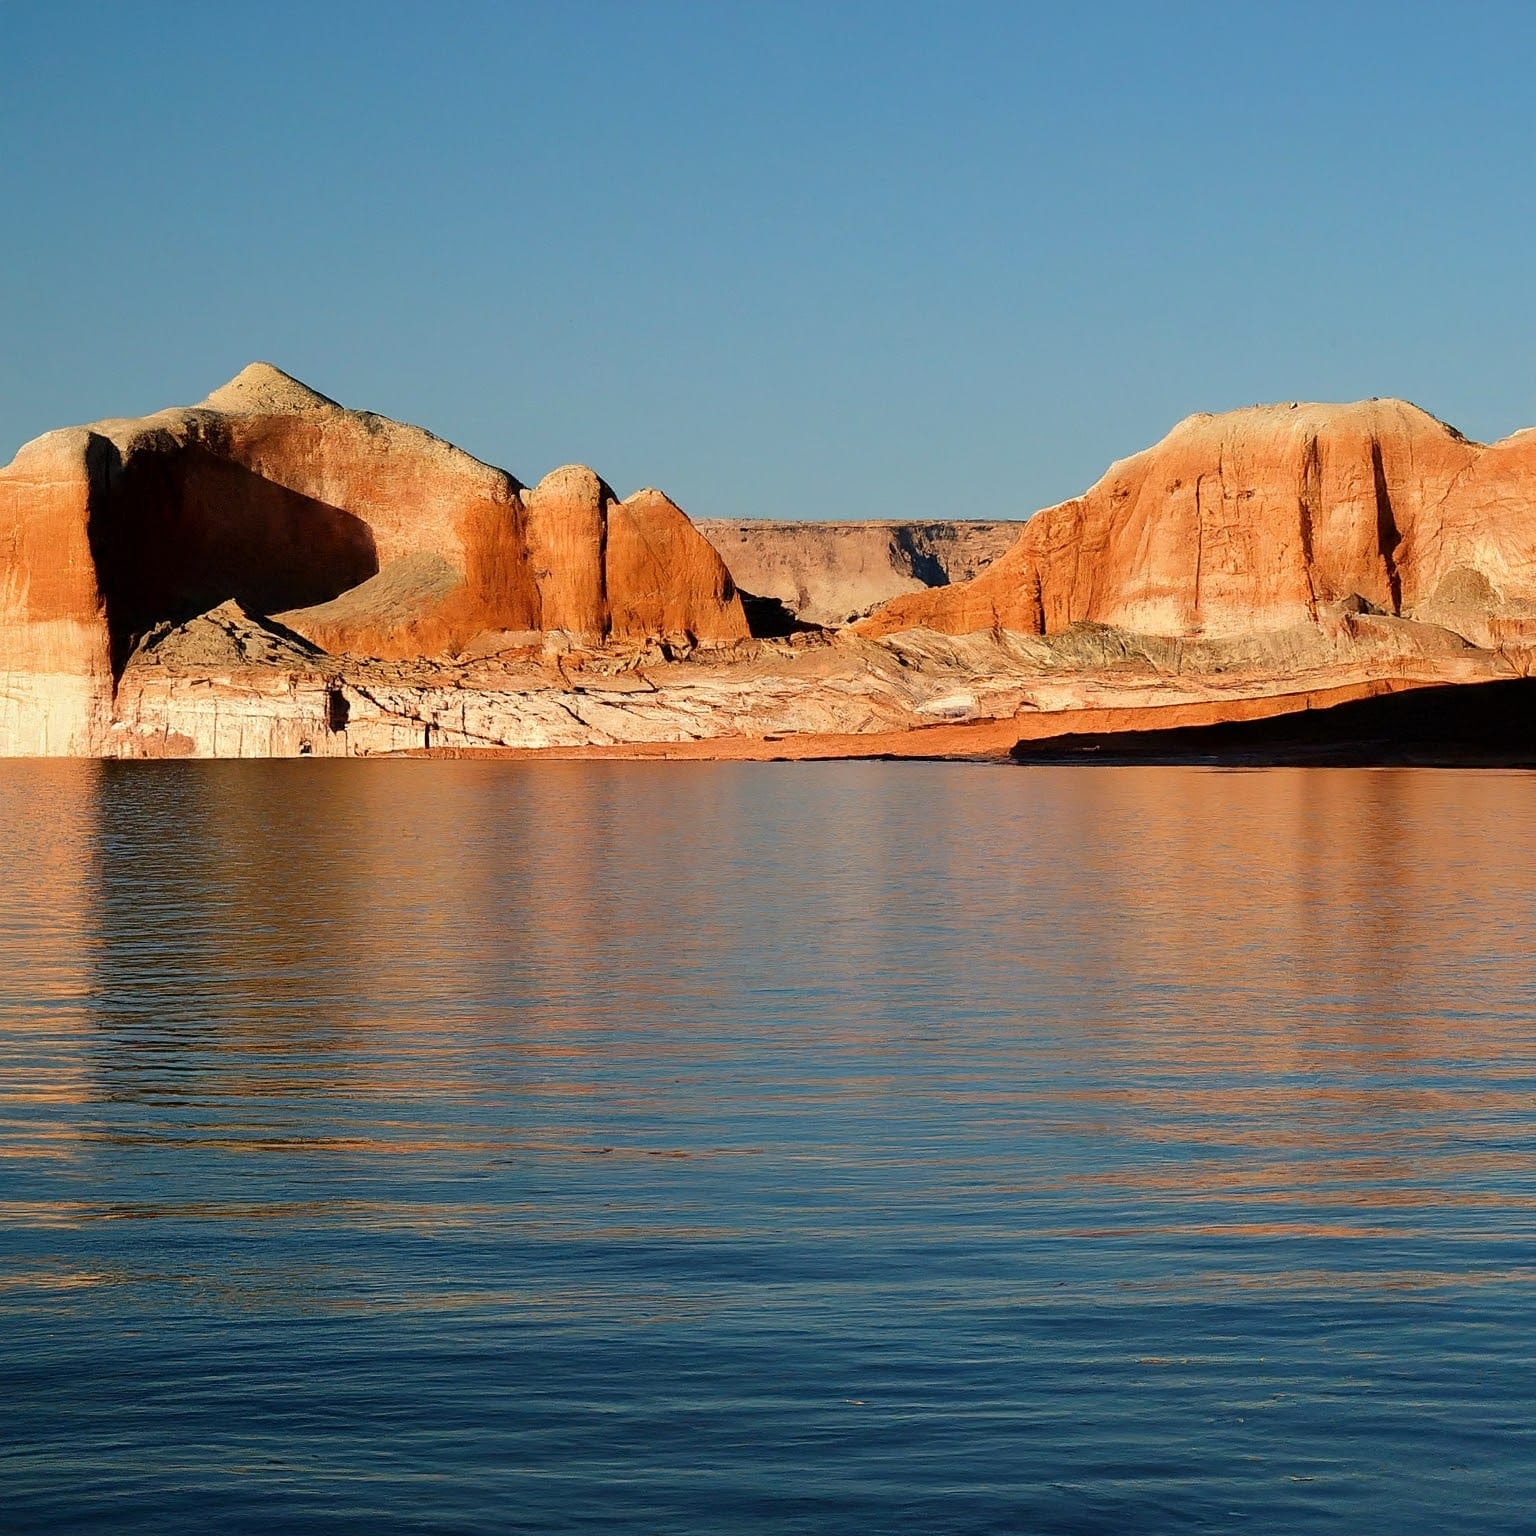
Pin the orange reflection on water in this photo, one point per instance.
(1233, 992)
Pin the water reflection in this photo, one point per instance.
(566, 1129)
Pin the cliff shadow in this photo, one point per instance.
(771, 618)
(1454, 725)
(924, 564)
(178, 530)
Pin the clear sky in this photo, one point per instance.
(781, 259)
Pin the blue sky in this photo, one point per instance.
(830, 260)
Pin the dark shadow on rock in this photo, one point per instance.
(924, 564)
(771, 618)
(1461, 725)
(177, 530)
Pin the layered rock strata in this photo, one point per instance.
(231, 684)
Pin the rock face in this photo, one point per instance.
(270, 574)
(55, 653)
(228, 684)
(366, 534)
(831, 573)
(1253, 521)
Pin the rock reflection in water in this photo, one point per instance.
(492, 1145)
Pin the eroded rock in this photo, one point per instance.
(269, 574)
(367, 535)
(1257, 520)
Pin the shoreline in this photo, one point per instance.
(970, 741)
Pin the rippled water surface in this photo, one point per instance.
(750, 1147)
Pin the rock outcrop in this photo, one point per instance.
(271, 574)
(365, 534)
(832, 573)
(230, 684)
(1256, 520)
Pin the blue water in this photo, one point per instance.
(459, 1147)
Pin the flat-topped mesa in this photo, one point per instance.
(831, 573)
(368, 535)
(1260, 519)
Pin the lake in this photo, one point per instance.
(845, 1147)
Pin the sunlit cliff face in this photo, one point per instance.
(399, 595)
(1260, 519)
(278, 498)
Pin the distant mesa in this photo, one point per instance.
(831, 573)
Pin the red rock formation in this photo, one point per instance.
(55, 660)
(646, 581)
(1260, 519)
(366, 534)
(1240, 558)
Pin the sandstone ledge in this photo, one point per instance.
(232, 685)
(977, 741)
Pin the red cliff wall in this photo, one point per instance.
(1251, 521)
(368, 535)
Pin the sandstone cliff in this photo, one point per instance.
(1252, 521)
(366, 534)
(270, 574)
(831, 573)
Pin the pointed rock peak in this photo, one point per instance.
(261, 389)
(230, 635)
(649, 499)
